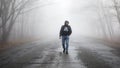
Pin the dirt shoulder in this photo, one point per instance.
(14, 43)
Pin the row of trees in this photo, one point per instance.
(117, 8)
(13, 12)
(9, 11)
(108, 18)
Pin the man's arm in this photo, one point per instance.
(60, 34)
(70, 30)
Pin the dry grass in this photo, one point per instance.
(113, 43)
(16, 42)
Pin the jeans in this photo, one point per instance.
(65, 40)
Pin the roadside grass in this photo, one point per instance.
(13, 43)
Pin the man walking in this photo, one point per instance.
(65, 32)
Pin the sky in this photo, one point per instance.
(80, 13)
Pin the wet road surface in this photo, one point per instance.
(83, 53)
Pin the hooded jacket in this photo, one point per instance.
(65, 30)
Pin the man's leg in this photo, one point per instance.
(67, 44)
(63, 43)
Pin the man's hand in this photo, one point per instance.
(60, 37)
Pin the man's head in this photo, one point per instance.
(66, 22)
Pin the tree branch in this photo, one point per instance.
(36, 7)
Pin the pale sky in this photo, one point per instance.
(79, 13)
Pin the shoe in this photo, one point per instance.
(66, 52)
(63, 51)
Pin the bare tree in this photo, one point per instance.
(105, 22)
(9, 11)
(117, 8)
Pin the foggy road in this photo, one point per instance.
(26, 20)
(83, 53)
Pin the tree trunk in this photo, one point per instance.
(117, 11)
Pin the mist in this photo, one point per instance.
(38, 19)
(49, 19)
(31, 35)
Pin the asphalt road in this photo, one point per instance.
(83, 53)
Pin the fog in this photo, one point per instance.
(44, 18)
(77, 12)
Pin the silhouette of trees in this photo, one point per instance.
(117, 8)
(9, 11)
(109, 13)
